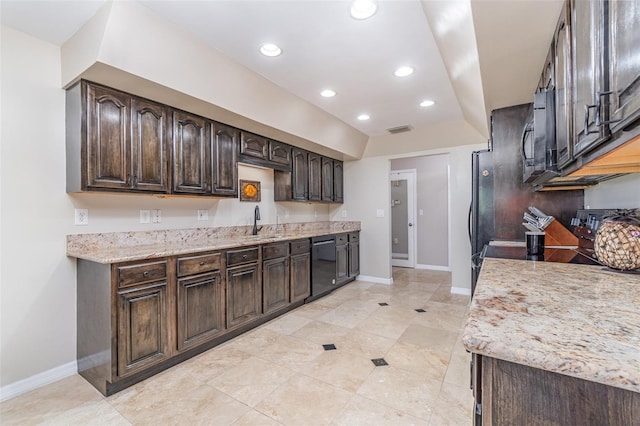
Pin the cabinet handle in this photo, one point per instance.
(586, 118)
(244, 257)
(129, 183)
(599, 121)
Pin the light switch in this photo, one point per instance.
(344, 213)
(145, 216)
(380, 213)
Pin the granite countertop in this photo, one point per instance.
(118, 247)
(577, 320)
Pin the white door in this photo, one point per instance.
(403, 225)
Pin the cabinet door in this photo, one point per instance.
(587, 32)
(200, 309)
(338, 181)
(254, 146)
(150, 143)
(300, 276)
(299, 175)
(354, 259)
(142, 328)
(191, 152)
(315, 177)
(327, 179)
(624, 62)
(547, 78)
(342, 263)
(279, 153)
(275, 284)
(108, 150)
(244, 294)
(225, 160)
(562, 47)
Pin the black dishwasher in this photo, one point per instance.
(323, 266)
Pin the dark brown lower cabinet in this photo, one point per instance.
(275, 284)
(342, 258)
(200, 309)
(244, 294)
(142, 327)
(354, 254)
(514, 394)
(300, 270)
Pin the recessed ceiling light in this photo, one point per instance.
(363, 117)
(328, 93)
(426, 103)
(270, 49)
(403, 71)
(363, 9)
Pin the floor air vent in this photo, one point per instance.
(399, 129)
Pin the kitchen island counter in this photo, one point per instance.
(576, 320)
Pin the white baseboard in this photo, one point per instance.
(399, 256)
(376, 280)
(41, 379)
(461, 290)
(434, 267)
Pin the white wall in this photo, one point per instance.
(621, 193)
(38, 283)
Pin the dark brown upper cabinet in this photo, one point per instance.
(315, 177)
(191, 154)
(280, 153)
(121, 141)
(260, 151)
(300, 174)
(254, 146)
(588, 32)
(327, 179)
(225, 160)
(562, 69)
(338, 181)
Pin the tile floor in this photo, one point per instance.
(280, 374)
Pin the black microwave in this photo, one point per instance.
(540, 158)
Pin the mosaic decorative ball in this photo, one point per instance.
(617, 244)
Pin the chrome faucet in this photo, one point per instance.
(256, 218)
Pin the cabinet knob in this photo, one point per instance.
(145, 274)
(244, 256)
(202, 263)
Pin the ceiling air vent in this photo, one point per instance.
(399, 129)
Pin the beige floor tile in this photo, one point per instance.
(304, 401)
(454, 406)
(402, 390)
(72, 395)
(364, 344)
(339, 368)
(312, 310)
(321, 332)
(388, 321)
(444, 295)
(441, 315)
(213, 362)
(251, 380)
(365, 412)
(417, 360)
(288, 324)
(176, 400)
(437, 340)
(458, 370)
(255, 418)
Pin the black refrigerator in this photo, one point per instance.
(499, 197)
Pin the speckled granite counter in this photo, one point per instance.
(117, 247)
(578, 320)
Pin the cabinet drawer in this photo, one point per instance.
(354, 237)
(341, 239)
(238, 257)
(139, 273)
(272, 251)
(198, 264)
(299, 247)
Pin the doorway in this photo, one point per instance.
(403, 224)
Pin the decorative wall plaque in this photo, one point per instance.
(249, 190)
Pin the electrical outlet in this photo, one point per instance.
(379, 213)
(81, 216)
(203, 214)
(156, 216)
(145, 216)
(421, 212)
(344, 213)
